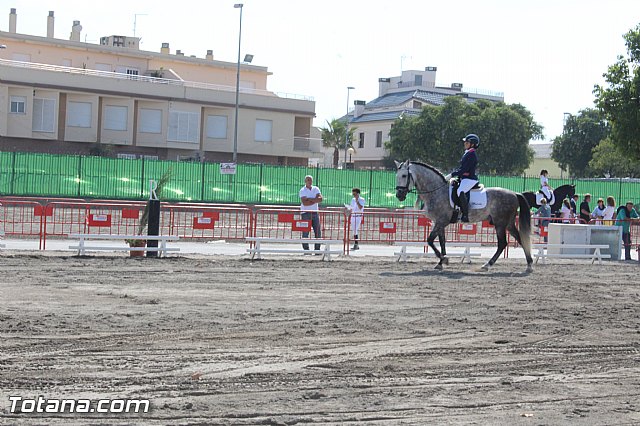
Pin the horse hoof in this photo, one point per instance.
(438, 267)
(445, 260)
(485, 268)
(529, 268)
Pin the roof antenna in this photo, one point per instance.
(135, 21)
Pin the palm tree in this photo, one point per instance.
(333, 136)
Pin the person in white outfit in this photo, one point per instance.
(565, 211)
(357, 208)
(544, 184)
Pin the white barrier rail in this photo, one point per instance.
(162, 249)
(465, 255)
(326, 252)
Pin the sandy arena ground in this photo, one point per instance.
(225, 340)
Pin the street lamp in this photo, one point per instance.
(235, 127)
(346, 130)
(351, 151)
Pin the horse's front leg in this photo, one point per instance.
(432, 237)
(438, 232)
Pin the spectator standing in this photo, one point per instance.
(609, 211)
(357, 208)
(565, 211)
(310, 198)
(625, 214)
(574, 204)
(544, 212)
(585, 210)
(598, 212)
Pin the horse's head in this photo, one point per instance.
(404, 182)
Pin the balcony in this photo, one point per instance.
(147, 79)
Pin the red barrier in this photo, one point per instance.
(97, 218)
(288, 223)
(204, 222)
(21, 218)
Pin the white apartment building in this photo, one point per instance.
(397, 96)
(70, 97)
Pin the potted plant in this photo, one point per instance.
(144, 219)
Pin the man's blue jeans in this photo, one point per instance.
(315, 224)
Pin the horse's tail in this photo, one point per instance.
(524, 220)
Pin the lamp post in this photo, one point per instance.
(351, 151)
(235, 127)
(346, 130)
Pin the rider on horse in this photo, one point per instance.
(466, 172)
(545, 189)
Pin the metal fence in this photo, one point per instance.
(46, 175)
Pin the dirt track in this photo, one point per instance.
(229, 341)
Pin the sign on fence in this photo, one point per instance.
(227, 168)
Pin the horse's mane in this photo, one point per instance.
(436, 171)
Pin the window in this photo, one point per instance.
(79, 114)
(18, 104)
(263, 130)
(417, 105)
(44, 113)
(103, 67)
(417, 80)
(115, 117)
(361, 140)
(217, 126)
(378, 139)
(127, 156)
(183, 126)
(150, 120)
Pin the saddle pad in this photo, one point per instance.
(540, 196)
(478, 198)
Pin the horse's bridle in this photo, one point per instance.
(405, 188)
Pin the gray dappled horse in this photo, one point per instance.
(501, 209)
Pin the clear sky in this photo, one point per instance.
(544, 54)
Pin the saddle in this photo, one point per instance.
(454, 191)
(456, 199)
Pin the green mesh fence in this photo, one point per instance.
(33, 174)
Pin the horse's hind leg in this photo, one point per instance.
(527, 250)
(441, 237)
(501, 233)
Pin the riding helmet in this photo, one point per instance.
(472, 139)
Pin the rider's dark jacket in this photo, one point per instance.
(467, 168)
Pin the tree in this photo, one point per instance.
(333, 136)
(434, 136)
(620, 100)
(609, 161)
(581, 134)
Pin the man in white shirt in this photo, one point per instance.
(357, 208)
(310, 197)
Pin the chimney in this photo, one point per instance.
(165, 48)
(383, 85)
(210, 55)
(13, 18)
(50, 24)
(75, 31)
(358, 108)
(179, 52)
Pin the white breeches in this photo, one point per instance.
(546, 192)
(466, 185)
(356, 221)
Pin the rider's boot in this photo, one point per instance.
(464, 206)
